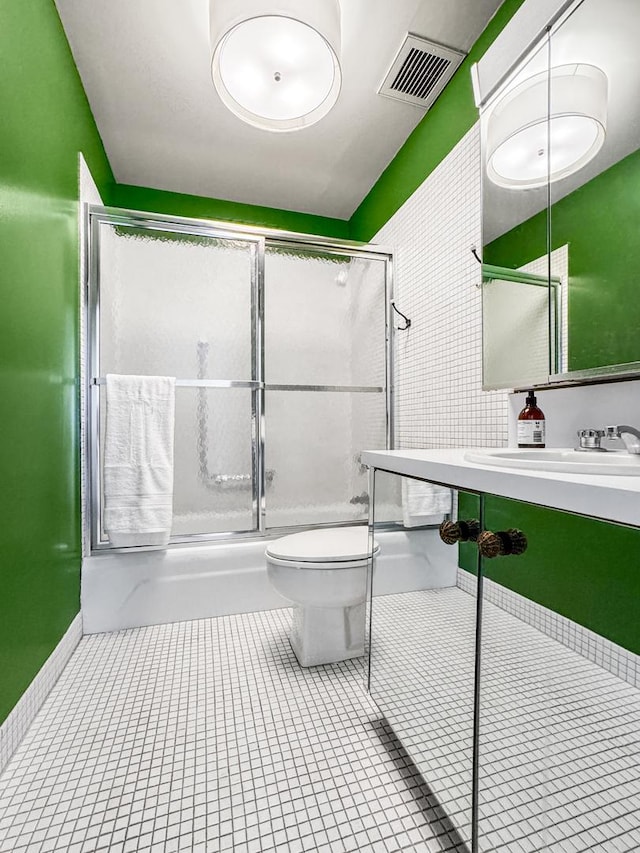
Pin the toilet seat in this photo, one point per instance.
(329, 548)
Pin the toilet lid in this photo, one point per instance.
(329, 545)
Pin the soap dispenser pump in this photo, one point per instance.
(531, 424)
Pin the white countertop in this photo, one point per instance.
(608, 497)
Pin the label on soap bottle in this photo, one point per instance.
(531, 433)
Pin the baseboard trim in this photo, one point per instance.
(15, 726)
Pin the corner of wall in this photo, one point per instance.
(443, 126)
(15, 726)
(201, 207)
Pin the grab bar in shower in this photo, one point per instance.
(240, 480)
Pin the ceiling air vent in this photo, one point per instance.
(420, 71)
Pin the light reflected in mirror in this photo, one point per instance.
(587, 233)
(516, 326)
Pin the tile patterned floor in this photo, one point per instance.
(422, 668)
(206, 736)
(559, 735)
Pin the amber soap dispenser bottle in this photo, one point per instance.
(531, 424)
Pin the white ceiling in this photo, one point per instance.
(145, 65)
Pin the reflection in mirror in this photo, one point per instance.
(596, 212)
(519, 321)
(422, 645)
(595, 204)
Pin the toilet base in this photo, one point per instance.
(327, 634)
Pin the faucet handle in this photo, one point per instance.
(589, 439)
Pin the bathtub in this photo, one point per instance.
(129, 590)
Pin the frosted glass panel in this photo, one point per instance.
(213, 463)
(176, 305)
(194, 307)
(313, 445)
(324, 318)
(213, 487)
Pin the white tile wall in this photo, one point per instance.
(438, 363)
(611, 657)
(15, 726)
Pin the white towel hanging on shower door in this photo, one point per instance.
(138, 460)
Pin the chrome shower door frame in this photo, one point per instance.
(259, 240)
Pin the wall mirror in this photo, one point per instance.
(561, 205)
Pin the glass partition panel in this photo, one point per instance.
(175, 304)
(422, 644)
(328, 309)
(312, 447)
(559, 727)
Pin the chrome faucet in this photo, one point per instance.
(629, 435)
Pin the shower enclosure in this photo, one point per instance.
(280, 347)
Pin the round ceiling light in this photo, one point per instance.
(547, 127)
(276, 68)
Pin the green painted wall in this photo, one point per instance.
(584, 569)
(178, 204)
(45, 122)
(599, 221)
(444, 125)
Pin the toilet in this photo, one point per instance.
(323, 574)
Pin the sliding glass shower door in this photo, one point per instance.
(280, 354)
(325, 382)
(185, 305)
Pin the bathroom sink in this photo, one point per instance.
(563, 460)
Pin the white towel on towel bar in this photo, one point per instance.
(138, 460)
(423, 503)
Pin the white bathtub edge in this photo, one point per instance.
(132, 590)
